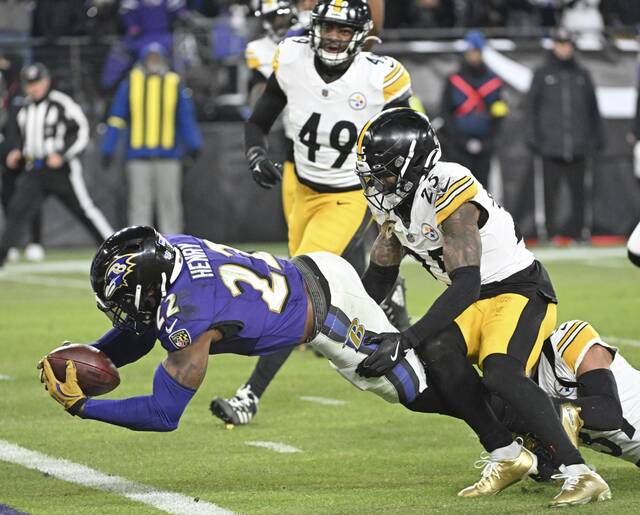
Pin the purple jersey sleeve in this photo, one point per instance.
(263, 297)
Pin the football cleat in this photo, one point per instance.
(498, 475)
(239, 409)
(571, 421)
(580, 488)
(13, 255)
(34, 252)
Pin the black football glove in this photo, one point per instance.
(265, 172)
(391, 349)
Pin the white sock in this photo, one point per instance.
(510, 452)
(575, 470)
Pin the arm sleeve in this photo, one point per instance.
(187, 124)
(124, 347)
(118, 119)
(266, 111)
(78, 127)
(160, 411)
(378, 280)
(464, 291)
(599, 400)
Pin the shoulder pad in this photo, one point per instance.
(454, 185)
(290, 49)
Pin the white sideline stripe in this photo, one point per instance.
(51, 266)
(323, 400)
(5, 378)
(40, 280)
(621, 341)
(274, 446)
(65, 470)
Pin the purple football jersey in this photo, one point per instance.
(221, 286)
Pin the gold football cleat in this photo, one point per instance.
(571, 421)
(498, 475)
(580, 489)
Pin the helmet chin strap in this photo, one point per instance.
(177, 266)
(163, 285)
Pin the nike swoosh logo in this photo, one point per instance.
(395, 354)
(170, 328)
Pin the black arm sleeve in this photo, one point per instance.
(12, 130)
(599, 400)
(378, 280)
(267, 109)
(124, 347)
(464, 291)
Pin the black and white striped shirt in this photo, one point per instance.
(56, 124)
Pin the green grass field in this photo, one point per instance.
(361, 457)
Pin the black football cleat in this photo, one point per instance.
(237, 410)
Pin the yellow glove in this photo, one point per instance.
(69, 393)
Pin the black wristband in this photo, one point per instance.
(76, 409)
(378, 280)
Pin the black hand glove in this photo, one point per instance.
(265, 172)
(391, 349)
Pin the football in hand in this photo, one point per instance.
(96, 373)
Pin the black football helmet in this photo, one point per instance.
(395, 149)
(351, 13)
(130, 274)
(277, 17)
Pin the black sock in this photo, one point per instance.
(504, 375)
(459, 386)
(266, 369)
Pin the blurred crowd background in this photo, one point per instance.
(90, 47)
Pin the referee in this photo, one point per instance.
(46, 137)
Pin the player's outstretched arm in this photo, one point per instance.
(124, 347)
(174, 384)
(598, 391)
(384, 264)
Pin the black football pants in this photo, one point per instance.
(32, 189)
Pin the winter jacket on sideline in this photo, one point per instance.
(563, 120)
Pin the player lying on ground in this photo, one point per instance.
(497, 311)
(578, 368)
(200, 298)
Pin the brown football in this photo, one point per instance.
(97, 375)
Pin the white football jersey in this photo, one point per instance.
(570, 342)
(441, 192)
(259, 55)
(325, 118)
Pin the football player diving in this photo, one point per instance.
(200, 298)
(496, 312)
(330, 88)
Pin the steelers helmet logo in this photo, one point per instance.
(357, 101)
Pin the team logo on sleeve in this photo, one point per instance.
(357, 101)
(117, 272)
(355, 334)
(429, 232)
(180, 338)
